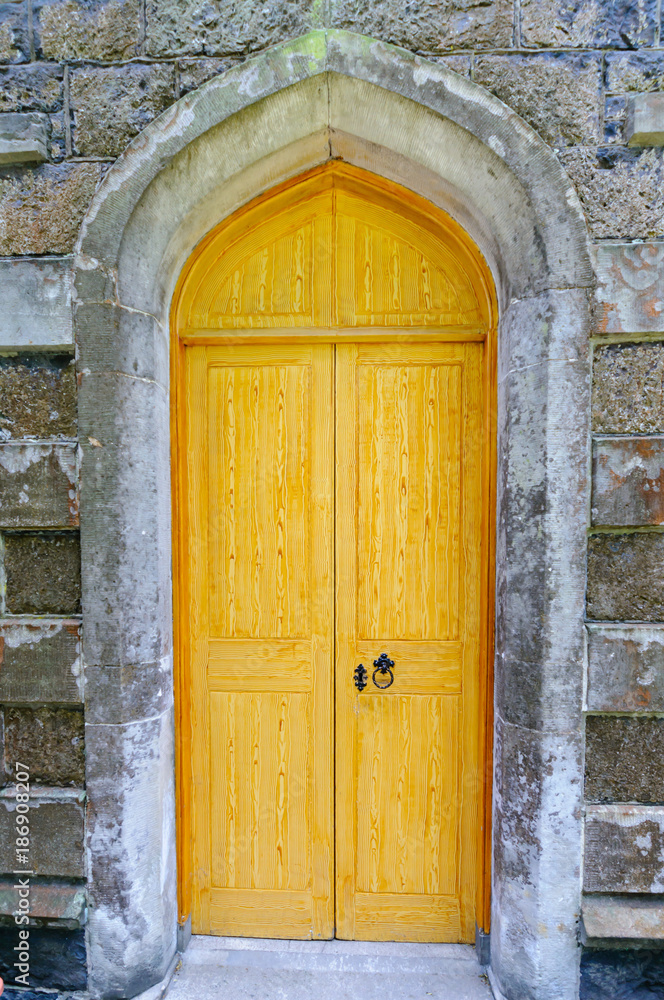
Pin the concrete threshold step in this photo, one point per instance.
(253, 969)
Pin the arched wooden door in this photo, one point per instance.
(333, 497)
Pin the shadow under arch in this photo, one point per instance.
(331, 94)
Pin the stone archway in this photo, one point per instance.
(333, 94)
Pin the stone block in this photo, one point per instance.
(48, 900)
(634, 71)
(624, 849)
(430, 26)
(40, 662)
(37, 395)
(38, 486)
(14, 39)
(628, 917)
(625, 669)
(628, 389)
(194, 73)
(129, 692)
(57, 959)
(133, 915)
(99, 30)
(625, 575)
(628, 481)
(621, 190)
(630, 287)
(113, 104)
(125, 562)
(616, 974)
(620, 24)
(37, 303)
(120, 340)
(196, 27)
(41, 209)
(645, 120)
(56, 834)
(624, 759)
(43, 573)
(51, 740)
(558, 93)
(35, 87)
(24, 137)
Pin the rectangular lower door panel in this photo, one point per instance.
(408, 582)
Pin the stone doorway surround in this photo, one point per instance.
(335, 94)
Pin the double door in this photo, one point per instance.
(334, 612)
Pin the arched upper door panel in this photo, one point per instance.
(336, 247)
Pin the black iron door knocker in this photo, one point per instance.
(383, 667)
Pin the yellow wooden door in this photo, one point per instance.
(409, 579)
(260, 536)
(336, 331)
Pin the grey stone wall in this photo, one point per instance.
(97, 72)
(41, 695)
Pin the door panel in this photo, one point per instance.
(408, 543)
(259, 483)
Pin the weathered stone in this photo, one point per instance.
(628, 389)
(628, 481)
(43, 573)
(621, 190)
(48, 900)
(195, 72)
(457, 63)
(613, 974)
(558, 93)
(40, 662)
(38, 486)
(36, 87)
(630, 288)
(113, 104)
(24, 137)
(618, 24)
(625, 669)
(129, 692)
(37, 395)
(624, 849)
(192, 27)
(36, 305)
(645, 120)
(126, 341)
(41, 209)
(56, 834)
(634, 71)
(624, 759)
(625, 575)
(131, 765)
(58, 962)
(123, 567)
(629, 917)
(50, 740)
(430, 26)
(102, 30)
(615, 113)
(14, 40)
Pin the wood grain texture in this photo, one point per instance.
(335, 257)
(260, 568)
(335, 249)
(409, 577)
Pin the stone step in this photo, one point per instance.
(253, 969)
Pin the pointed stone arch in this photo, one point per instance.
(334, 95)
